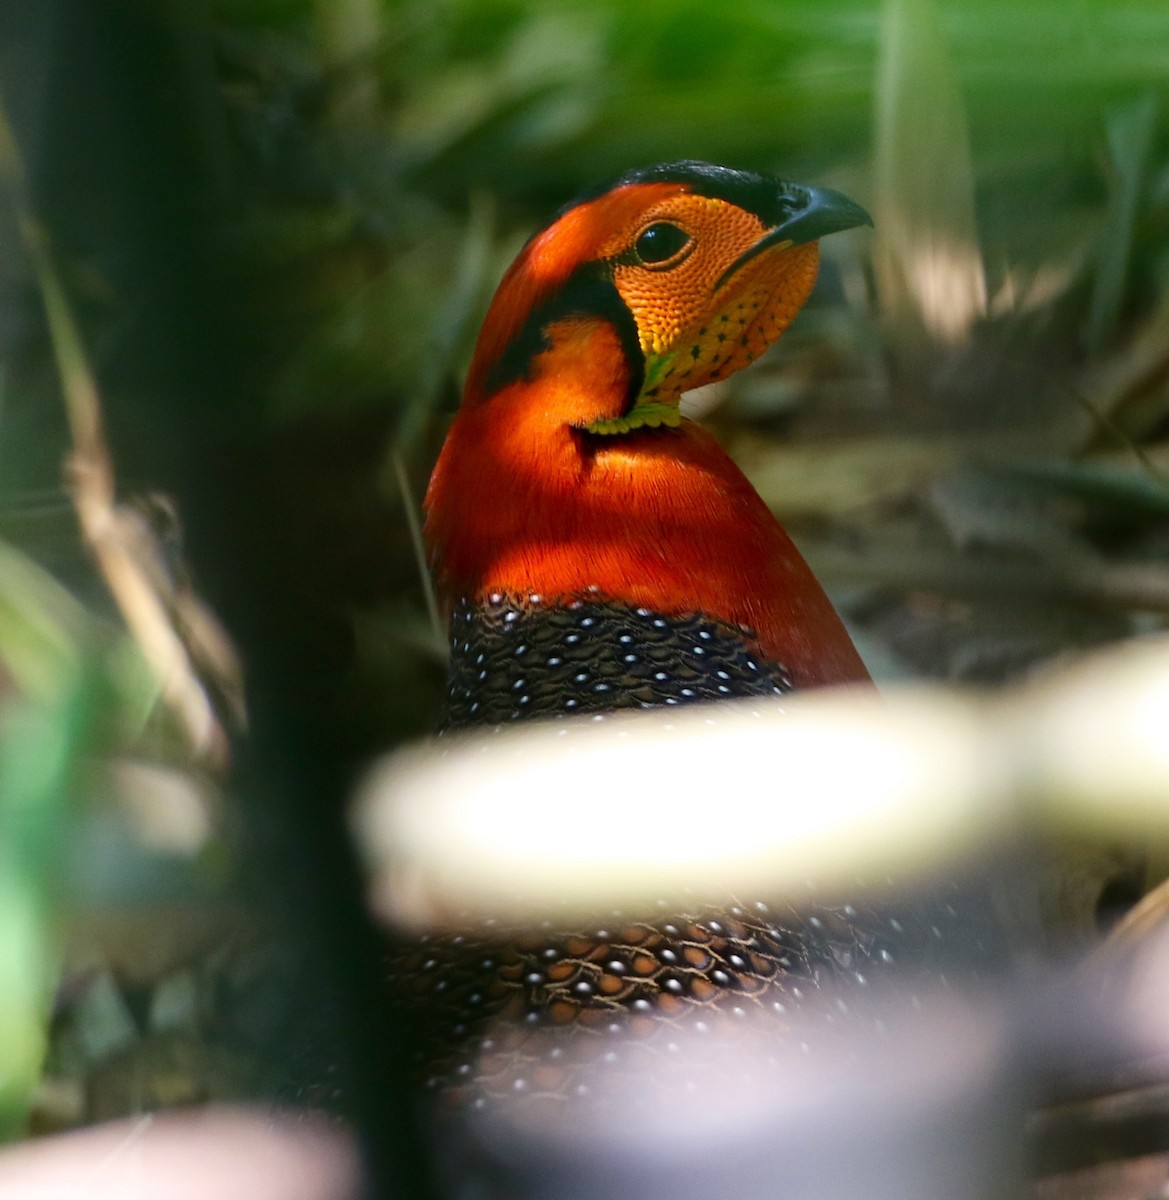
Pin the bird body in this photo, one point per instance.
(595, 550)
(569, 473)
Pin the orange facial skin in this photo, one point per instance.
(524, 500)
(713, 333)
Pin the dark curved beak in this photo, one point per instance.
(814, 212)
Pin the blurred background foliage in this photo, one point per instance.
(967, 430)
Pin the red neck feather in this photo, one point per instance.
(521, 502)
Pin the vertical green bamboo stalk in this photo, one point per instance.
(929, 264)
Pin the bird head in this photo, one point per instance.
(696, 269)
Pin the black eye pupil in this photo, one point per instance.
(660, 242)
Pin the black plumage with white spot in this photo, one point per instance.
(513, 658)
(499, 1012)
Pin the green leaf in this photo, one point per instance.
(1129, 133)
(929, 262)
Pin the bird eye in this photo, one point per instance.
(660, 243)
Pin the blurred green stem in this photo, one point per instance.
(349, 33)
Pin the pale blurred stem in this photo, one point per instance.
(106, 531)
(349, 33)
(459, 310)
(402, 479)
(929, 266)
(107, 534)
(1147, 916)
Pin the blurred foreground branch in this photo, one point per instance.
(726, 799)
(226, 1153)
(127, 554)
